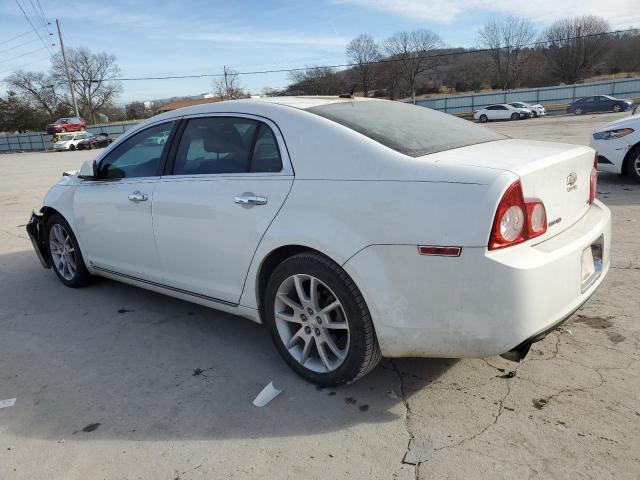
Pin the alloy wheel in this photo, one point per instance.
(636, 165)
(63, 253)
(578, 111)
(312, 323)
(616, 108)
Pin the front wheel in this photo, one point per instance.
(515, 116)
(534, 114)
(63, 249)
(617, 108)
(483, 118)
(633, 165)
(578, 111)
(319, 321)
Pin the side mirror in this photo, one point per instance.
(89, 170)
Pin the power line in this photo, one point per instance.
(18, 46)
(25, 65)
(377, 62)
(18, 36)
(33, 27)
(24, 54)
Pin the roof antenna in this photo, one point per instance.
(350, 94)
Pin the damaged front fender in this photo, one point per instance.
(35, 229)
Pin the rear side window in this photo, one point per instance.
(405, 128)
(219, 145)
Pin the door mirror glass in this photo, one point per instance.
(89, 170)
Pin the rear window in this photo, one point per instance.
(405, 128)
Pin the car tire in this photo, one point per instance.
(63, 130)
(617, 108)
(577, 111)
(483, 118)
(633, 164)
(515, 116)
(322, 354)
(72, 147)
(64, 252)
(534, 114)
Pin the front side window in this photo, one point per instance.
(138, 155)
(223, 145)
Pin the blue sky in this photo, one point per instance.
(196, 36)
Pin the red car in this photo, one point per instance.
(67, 124)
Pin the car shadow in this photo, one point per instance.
(618, 190)
(116, 361)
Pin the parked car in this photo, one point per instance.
(536, 110)
(353, 228)
(74, 141)
(67, 124)
(100, 140)
(618, 146)
(599, 103)
(503, 111)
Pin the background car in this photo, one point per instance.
(73, 141)
(618, 146)
(537, 110)
(438, 247)
(599, 103)
(100, 140)
(67, 124)
(502, 111)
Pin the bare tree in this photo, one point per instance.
(414, 53)
(92, 76)
(363, 51)
(227, 86)
(575, 46)
(316, 81)
(35, 87)
(507, 39)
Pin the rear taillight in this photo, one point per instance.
(517, 219)
(593, 180)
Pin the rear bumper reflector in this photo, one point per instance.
(439, 251)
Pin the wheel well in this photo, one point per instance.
(47, 212)
(628, 157)
(271, 261)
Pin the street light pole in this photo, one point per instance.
(66, 67)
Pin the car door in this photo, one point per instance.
(113, 213)
(492, 112)
(226, 179)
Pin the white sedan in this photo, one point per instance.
(502, 111)
(618, 146)
(69, 142)
(352, 228)
(536, 110)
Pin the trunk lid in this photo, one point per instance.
(556, 173)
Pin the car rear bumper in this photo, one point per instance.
(482, 303)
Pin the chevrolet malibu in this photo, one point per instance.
(352, 228)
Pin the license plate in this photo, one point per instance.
(592, 263)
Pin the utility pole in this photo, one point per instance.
(226, 85)
(66, 67)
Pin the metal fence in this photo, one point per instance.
(623, 88)
(38, 141)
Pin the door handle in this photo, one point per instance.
(138, 196)
(250, 199)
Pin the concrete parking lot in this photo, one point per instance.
(115, 382)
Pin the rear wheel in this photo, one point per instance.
(483, 118)
(63, 249)
(319, 321)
